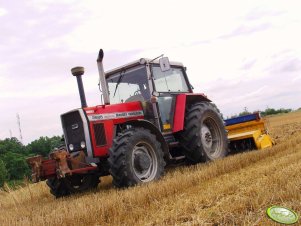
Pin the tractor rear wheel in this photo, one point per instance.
(135, 157)
(204, 136)
(72, 184)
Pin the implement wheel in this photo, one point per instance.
(136, 157)
(204, 137)
(72, 184)
(57, 187)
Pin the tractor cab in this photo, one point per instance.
(152, 82)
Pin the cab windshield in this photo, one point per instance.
(129, 85)
(172, 80)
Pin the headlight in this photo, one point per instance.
(71, 147)
(82, 144)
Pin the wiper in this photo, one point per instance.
(119, 80)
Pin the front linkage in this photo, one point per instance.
(59, 165)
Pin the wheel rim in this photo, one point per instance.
(144, 162)
(211, 138)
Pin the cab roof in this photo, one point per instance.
(139, 62)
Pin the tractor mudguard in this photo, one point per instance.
(154, 130)
(182, 100)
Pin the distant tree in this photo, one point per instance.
(3, 173)
(232, 116)
(43, 145)
(245, 112)
(267, 111)
(272, 111)
(13, 155)
(11, 145)
(16, 165)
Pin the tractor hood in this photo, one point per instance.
(119, 113)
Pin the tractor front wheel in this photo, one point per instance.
(135, 157)
(204, 136)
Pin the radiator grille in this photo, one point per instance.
(99, 133)
(74, 129)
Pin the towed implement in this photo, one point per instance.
(149, 118)
(248, 132)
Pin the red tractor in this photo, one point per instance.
(150, 118)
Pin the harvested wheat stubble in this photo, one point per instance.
(232, 191)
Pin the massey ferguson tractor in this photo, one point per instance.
(149, 118)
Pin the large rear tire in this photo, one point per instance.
(204, 137)
(72, 184)
(136, 157)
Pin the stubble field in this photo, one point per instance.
(232, 191)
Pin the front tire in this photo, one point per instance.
(136, 157)
(204, 136)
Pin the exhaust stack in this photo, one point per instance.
(78, 72)
(102, 78)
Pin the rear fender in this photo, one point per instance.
(147, 125)
(182, 101)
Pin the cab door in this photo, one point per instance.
(166, 111)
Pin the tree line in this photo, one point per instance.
(13, 154)
(266, 112)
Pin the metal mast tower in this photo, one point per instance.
(19, 125)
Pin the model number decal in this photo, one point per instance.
(115, 115)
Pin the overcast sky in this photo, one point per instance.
(239, 53)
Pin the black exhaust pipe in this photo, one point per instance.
(78, 72)
(102, 78)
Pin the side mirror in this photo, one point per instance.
(164, 64)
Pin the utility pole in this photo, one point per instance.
(10, 134)
(19, 125)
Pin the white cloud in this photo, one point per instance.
(132, 25)
(43, 5)
(3, 11)
(240, 53)
(297, 78)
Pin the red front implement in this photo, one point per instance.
(59, 165)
